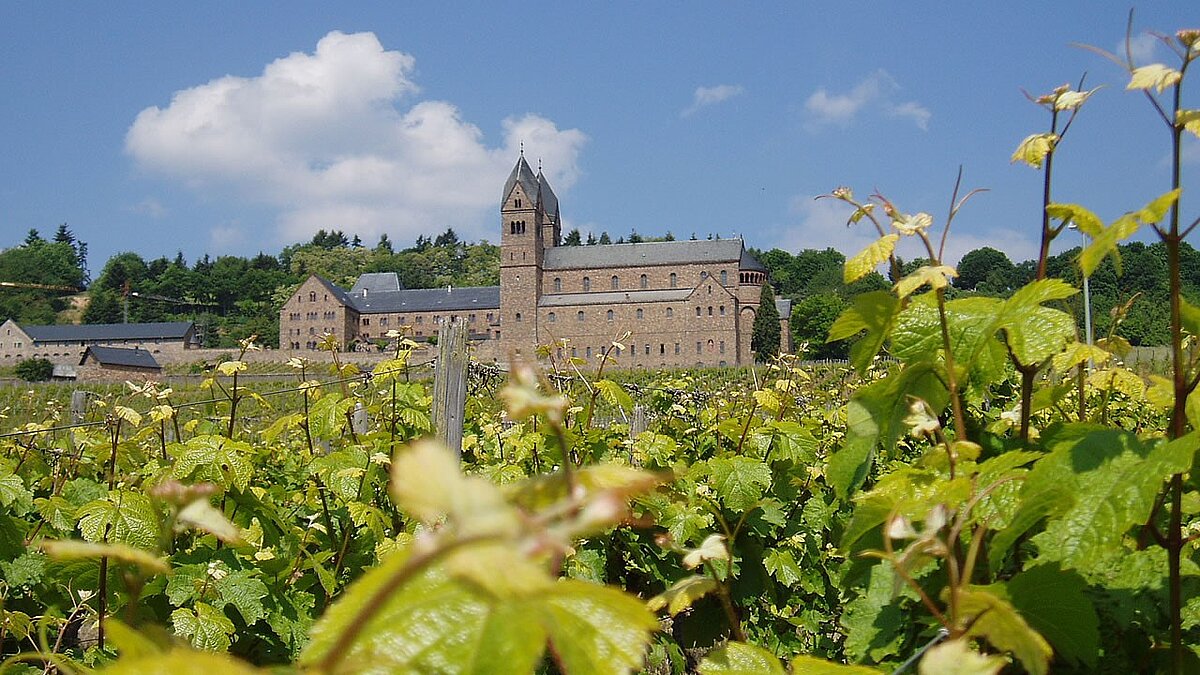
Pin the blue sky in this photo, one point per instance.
(239, 127)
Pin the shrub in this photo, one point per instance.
(35, 370)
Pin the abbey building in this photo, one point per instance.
(682, 303)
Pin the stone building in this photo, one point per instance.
(117, 363)
(682, 303)
(66, 344)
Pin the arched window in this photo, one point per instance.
(722, 310)
(697, 310)
(518, 203)
(639, 313)
(670, 312)
(587, 284)
(615, 283)
(579, 315)
(518, 317)
(644, 281)
(551, 317)
(710, 310)
(724, 277)
(674, 280)
(312, 296)
(609, 315)
(557, 284)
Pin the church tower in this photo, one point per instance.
(524, 226)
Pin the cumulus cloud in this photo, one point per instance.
(875, 90)
(706, 96)
(1141, 47)
(339, 139)
(821, 223)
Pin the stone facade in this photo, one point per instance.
(66, 344)
(683, 303)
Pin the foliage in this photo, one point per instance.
(34, 370)
(764, 340)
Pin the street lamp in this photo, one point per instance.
(1087, 300)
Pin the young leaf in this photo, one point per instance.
(996, 620)
(936, 277)
(1034, 148)
(874, 312)
(869, 258)
(1154, 76)
(739, 481)
(214, 459)
(123, 517)
(739, 658)
(1189, 120)
(596, 629)
(427, 483)
(206, 627)
(1087, 221)
(682, 594)
(203, 516)
(955, 657)
(615, 394)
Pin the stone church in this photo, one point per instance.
(682, 303)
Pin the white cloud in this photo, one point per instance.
(875, 90)
(149, 207)
(336, 139)
(226, 238)
(912, 110)
(706, 96)
(822, 224)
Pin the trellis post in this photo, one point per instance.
(450, 385)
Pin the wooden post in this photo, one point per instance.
(450, 385)
(79, 400)
(358, 419)
(637, 424)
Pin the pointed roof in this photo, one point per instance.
(524, 175)
(549, 199)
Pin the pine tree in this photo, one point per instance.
(764, 340)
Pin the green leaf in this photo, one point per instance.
(124, 517)
(1189, 120)
(874, 312)
(1055, 603)
(999, 623)
(739, 658)
(811, 665)
(682, 594)
(13, 495)
(1033, 149)
(73, 550)
(873, 621)
(1087, 221)
(206, 627)
(935, 276)
(1113, 479)
(245, 591)
(427, 483)
(596, 629)
(200, 514)
(1190, 316)
(214, 459)
(781, 564)
(614, 394)
(181, 662)
(1158, 207)
(327, 415)
(870, 258)
(739, 481)
(956, 657)
(1105, 244)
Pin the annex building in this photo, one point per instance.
(67, 343)
(683, 303)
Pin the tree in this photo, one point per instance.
(604, 238)
(573, 238)
(35, 370)
(810, 322)
(384, 245)
(984, 265)
(764, 340)
(591, 240)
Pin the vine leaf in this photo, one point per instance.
(874, 312)
(327, 415)
(1055, 603)
(682, 594)
(182, 661)
(1154, 76)
(999, 623)
(739, 658)
(739, 481)
(1189, 120)
(614, 394)
(596, 629)
(214, 459)
(1033, 149)
(955, 657)
(206, 627)
(870, 258)
(122, 517)
(201, 515)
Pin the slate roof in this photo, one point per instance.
(549, 199)
(116, 356)
(171, 330)
(338, 292)
(650, 253)
(376, 282)
(614, 297)
(529, 182)
(784, 306)
(427, 300)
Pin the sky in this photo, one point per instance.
(233, 128)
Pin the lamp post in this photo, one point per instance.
(1087, 301)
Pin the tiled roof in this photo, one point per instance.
(172, 330)
(649, 253)
(376, 282)
(427, 300)
(116, 356)
(614, 297)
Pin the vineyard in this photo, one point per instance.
(981, 489)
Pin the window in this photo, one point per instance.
(587, 284)
(697, 347)
(639, 313)
(670, 312)
(724, 277)
(383, 321)
(557, 283)
(662, 348)
(518, 204)
(470, 318)
(644, 282)
(608, 315)
(674, 280)
(588, 353)
(552, 317)
(710, 310)
(722, 346)
(518, 317)
(697, 310)
(312, 296)
(722, 310)
(614, 283)
(677, 349)
(579, 315)
(647, 350)
(574, 352)
(420, 319)
(366, 321)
